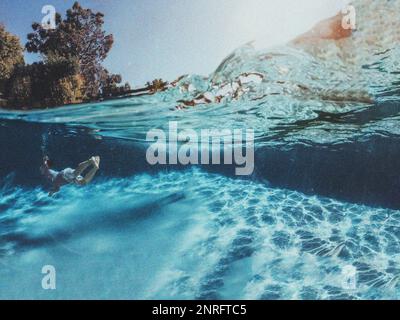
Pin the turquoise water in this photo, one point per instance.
(324, 195)
(144, 237)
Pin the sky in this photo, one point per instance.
(169, 38)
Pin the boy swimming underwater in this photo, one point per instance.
(68, 175)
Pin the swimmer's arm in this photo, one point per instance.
(45, 169)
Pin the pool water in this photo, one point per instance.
(324, 197)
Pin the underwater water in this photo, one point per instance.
(324, 195)
(142, 232)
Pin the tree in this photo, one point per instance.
(11, 55)
(45, 84)
(109, 84)
(79, 36)
(157, 85)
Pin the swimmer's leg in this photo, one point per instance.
(95, 161)
(89, 176)
(82, 167)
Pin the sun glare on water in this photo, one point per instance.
(273, 22)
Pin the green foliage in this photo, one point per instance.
(110, 84)
(157, 85)
(47, 84)
(79, 36)
(71, 70)
(11, 55)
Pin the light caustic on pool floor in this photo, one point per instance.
(197, 235)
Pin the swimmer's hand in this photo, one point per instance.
(46, 160)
